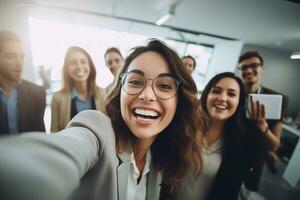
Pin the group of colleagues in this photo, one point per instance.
(153, 139)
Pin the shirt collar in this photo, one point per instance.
(12, 91)
(74, 94)
(259, 89)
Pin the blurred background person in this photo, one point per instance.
(23, 103)
(79, 91)
(45, 76)
(189, 63)
(251, 66)
(114, 61)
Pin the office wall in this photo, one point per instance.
(224, 59)
(281, 74)
(15, 18)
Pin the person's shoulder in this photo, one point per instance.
(30, 85)
(94, 120)
(100, 89)
(61, 93)
(266, 90)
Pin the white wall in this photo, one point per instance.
(15, 19)
(281, 74)
(224, 58)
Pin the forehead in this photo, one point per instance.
(187, 60)
(228, 83)
(77, 55)
(112, 55)
(11, 47)
(250, 60)
(151, 63)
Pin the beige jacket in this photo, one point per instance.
(61, 108)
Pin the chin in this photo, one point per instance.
(143, 135)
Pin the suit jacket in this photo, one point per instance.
(82, 156)
(31, 103)
(61, 107)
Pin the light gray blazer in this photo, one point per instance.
(78, 163)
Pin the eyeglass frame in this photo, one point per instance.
(125, 74)
(251, 66)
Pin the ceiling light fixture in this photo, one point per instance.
(295, 55)
(166, 16)
(163, 19)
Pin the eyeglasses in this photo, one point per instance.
(250, 66)
(164, 87)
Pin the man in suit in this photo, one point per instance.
(114, 61)
(251, 66)
(22, 104)
(189, 63)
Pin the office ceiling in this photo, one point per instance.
(270, 23)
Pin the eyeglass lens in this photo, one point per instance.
(250, 66)
(164, 87)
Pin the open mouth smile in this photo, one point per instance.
(145, 113)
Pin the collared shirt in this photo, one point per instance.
(138, 191)
(81, 105)
(9, 104)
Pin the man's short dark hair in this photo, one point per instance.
(251, 54)
(191, 57)
(113, 49)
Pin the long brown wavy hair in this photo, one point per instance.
(177, 148)
(234, 125)
(67, 81)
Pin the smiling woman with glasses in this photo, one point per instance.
(148, 139)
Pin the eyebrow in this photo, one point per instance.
(231, 90)
(143, 74)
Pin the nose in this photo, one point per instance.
(148, 93)
(222, 96)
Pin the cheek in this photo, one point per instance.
(209, 101)
(125, 100)
(234, 104)
(244, 73)
(171, 107)
(70, 69)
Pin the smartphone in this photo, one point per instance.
(272, 102)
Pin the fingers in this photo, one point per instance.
(257, 110)
(263, 111)
(257, 107)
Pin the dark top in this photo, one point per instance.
(242, 159)
(31, 104)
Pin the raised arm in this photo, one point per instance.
(40, 166)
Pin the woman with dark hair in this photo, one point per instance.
(229, 152)
(79, 91)
(148, 138)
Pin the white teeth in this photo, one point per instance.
(80, 73)
(221, 106)
(146, 112)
